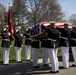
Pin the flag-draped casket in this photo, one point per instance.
(38, 32)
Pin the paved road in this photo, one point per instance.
(26, 69)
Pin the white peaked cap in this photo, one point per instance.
(66, 22)
(52, 21)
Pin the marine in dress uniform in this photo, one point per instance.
(73, 44)
(64, 44)
(6, 39)
(18, 43)
(28, 42)
(53, 36)
(35, 51)
(44, 44)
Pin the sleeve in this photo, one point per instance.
(45, 28)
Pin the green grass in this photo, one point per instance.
(12, 53)
(12, 57)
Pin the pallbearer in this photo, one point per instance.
(44, 44)
(28, 42)
(35, 51)
(64, 43)
(53, 37)
(73, 43)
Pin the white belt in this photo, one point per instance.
(73, 39)
(6, 39)
(28, 38)
(51, 39)
(64, 38)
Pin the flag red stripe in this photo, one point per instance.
(11, 29)
(57, 25)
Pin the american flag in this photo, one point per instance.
(37, 28)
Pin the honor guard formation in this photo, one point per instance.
(56, 38)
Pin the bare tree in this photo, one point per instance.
(18, 10)
(72, 19)
(2, 15)
(43, 10)
(2, 11)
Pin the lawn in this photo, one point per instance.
(12, 53)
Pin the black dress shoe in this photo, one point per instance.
(20, 61)
(6, 64)
(45, 65)
(73, 65)
(54, 72)
(57, 71)
(35, 66)
(64, 67)
(17, 61)
(28, 60)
